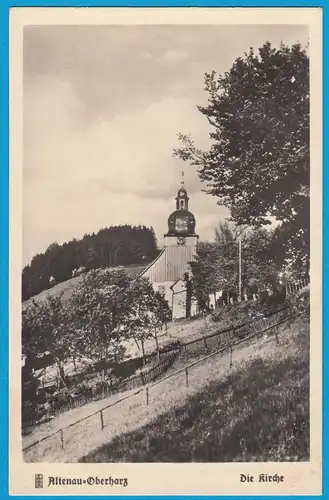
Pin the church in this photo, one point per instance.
(168, 270)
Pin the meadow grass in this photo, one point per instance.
(257, 413)
(220, 401)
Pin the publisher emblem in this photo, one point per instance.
(38, 481)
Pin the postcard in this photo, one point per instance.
(165, 251)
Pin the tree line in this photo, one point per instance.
(216, 266)
(112, 246)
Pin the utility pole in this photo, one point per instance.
(240, 291)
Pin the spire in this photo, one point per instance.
(182, 198)
(181, 222)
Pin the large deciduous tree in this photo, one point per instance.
(99, 308)
(258, 162)
(45, 328)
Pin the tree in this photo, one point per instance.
(217, 264)
(160, 315)
(142, 315)
(45, 328)
(204, 280)
(99, 308)
(259, 263)
(258, 163)
(149, 311)
(162, 311)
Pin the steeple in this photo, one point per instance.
(182, 198)
(181, 222)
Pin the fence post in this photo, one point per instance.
(62, 438)
(142, 378)
(147, 395)
(205, 342)
(186, 376)
(102, 419)
(276, 334)
(231, 352)
(218, 341)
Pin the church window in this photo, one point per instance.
(162, 290)
(182, 204)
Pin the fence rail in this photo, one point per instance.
(242, 331)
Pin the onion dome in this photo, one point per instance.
(181, 222)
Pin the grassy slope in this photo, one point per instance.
(258, 413)
(127, 418)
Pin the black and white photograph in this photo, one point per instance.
(168, 233)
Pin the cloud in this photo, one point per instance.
(118, 69)
(102, 108)
(78, 179)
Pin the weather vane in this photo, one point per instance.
(182, 181)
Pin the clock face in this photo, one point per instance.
(181, 225)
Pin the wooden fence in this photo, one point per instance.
(242, 334)
(297, 285)
(194, 347)
(133, 382)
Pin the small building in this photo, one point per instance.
(168, 272)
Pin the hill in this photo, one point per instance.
(112, 246)
(259, 399)
(67, 287)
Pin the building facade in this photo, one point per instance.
(168, 271)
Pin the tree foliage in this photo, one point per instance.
(149, 312)
(258, 162)
(46, 329)
(216, 266)
(108, 308)
(99, 307)
(113, 246)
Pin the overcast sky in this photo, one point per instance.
(102, 109)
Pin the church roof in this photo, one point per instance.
(170, 265)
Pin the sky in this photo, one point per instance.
(102, 107)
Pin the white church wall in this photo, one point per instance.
(179, 306)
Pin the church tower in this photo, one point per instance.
(181, 222)
(168, 270)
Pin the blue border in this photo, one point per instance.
(5, 6)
